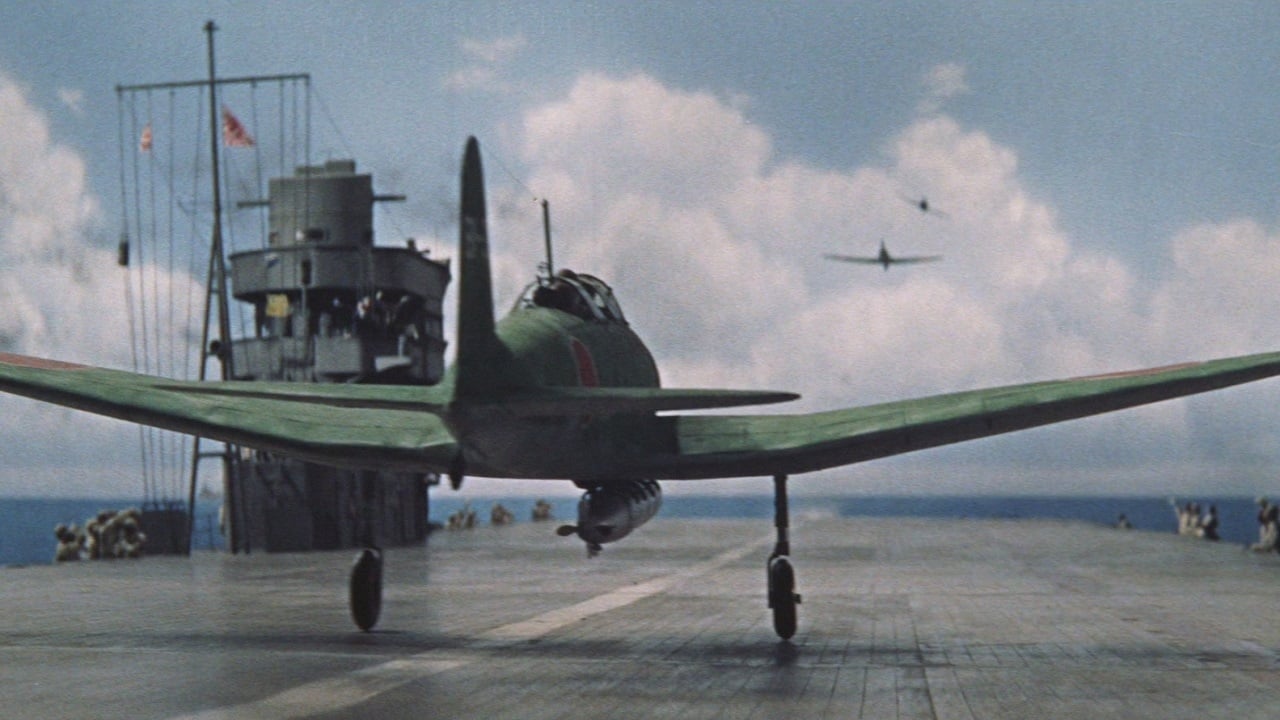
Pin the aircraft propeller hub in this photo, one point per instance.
(608, 513)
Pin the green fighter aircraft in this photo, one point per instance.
(883, 258)
(562, 388)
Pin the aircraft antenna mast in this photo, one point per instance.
(546, 235)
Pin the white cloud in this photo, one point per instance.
(1221, 292)
(63, 297)
(714, 246)
(683, 147)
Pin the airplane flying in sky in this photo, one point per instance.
(562, 388)
(883, 258)
(922, 203)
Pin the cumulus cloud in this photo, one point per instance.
(680, 198)
(1221, 290)
(45, 215)
(63, 297)
(714, 244)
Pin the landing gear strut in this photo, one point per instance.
(366, 588)
(783, 597)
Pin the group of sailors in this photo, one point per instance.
(371, 316)
(500, 515)
(109, 535)
(376, 315)
(1191, 523)
(465, 517)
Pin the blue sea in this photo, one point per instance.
(26, 525)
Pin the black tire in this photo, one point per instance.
(366, 589)
(782, 597)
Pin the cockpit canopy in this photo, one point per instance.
(585, 296)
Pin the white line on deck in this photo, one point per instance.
(350, 689)
(553, 620)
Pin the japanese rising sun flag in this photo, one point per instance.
(233, 132)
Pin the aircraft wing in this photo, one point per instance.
(860, 259)
(371, 426)
(364, 426)
(913, 259)
(367, 426)
(751, 445)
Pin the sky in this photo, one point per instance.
(1108, 174)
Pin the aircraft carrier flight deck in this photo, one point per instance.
(901, 618)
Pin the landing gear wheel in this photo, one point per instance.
(366, 588)
(783, 597)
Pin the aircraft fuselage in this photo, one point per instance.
(545, 347)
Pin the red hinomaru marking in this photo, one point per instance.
(38, 363)
(1139, 373)
(587, 376)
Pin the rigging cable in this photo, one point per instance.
(148, 467)
(158, 439)
(280, 115)
(307, 151)
(257, 162)
(193, 268)
(293, 99)
(324, 109)
(193, 257)
(128, 286)
(177, 441)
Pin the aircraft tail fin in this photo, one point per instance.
(479, 352)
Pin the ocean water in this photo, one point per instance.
(26, 525)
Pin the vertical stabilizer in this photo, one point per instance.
(477, 363)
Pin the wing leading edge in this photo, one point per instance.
(357, 426)
(739, 446)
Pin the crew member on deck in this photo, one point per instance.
(1268, 527)
(1209, 524)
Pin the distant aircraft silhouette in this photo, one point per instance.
(883, 258)
(922, 204)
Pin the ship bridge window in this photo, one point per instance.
(310, 234)
(586, 296)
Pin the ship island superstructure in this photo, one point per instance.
(331, 306)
